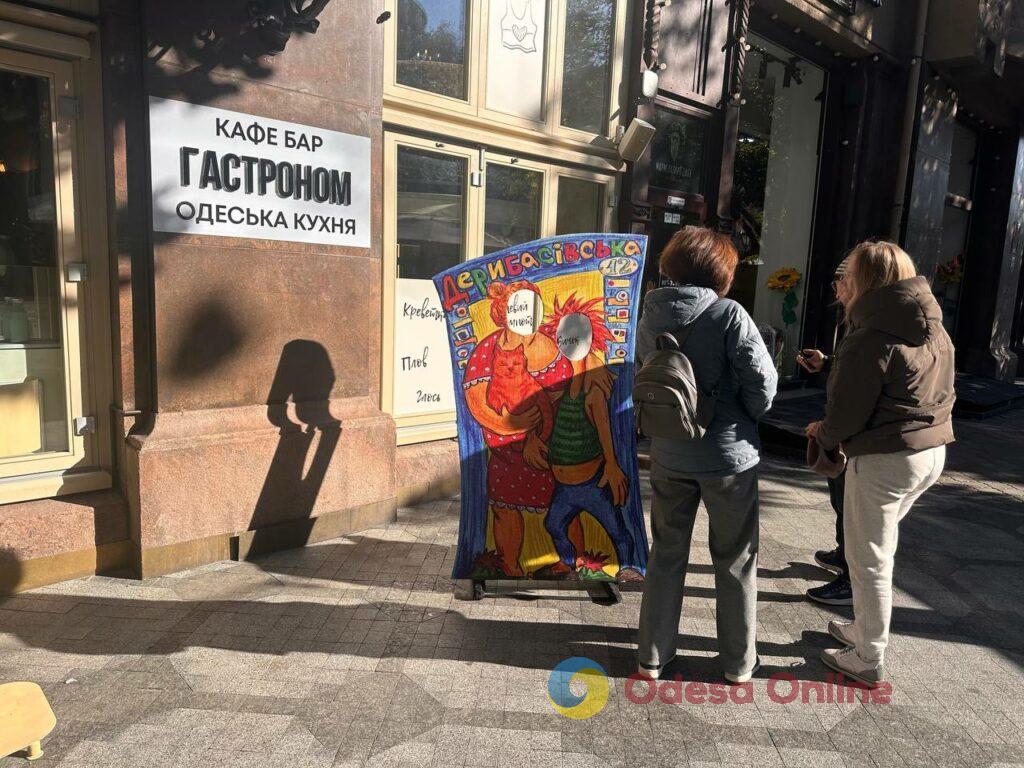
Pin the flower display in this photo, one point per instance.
(784, 279)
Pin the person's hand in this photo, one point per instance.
(615, 480)
(812, 360)
(535, 453)
(812, 429)
(525, 421)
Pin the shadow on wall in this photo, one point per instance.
(212, 337)
(299, 406)
(232, 36)
(10, 572)
(200, 38)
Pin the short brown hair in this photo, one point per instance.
(700, 256)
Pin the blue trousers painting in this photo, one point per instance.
(569, 501)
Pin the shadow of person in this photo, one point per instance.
(10, 572)
(299, 405)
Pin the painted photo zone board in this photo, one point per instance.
(542, 339)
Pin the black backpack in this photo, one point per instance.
(668, 399)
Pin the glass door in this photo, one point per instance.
(514, 203)
(581, 204)
(40, 368)
(445, 203)
(429, 224)
(775, 178)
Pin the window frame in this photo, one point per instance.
(79, 198)
(616, 96)
(440, 425)
(429, 98)
(496, 157)
(609, 184)
(433, 425)
(549, 75)
(413, 107)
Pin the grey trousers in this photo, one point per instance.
(732, 505)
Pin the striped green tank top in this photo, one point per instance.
(574, 439)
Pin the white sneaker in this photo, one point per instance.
(847, 662)
(842, 631)
(652, 672)
(744, 677)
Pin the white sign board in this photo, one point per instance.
(423, 371)
(217, 172)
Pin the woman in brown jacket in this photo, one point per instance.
(890, 402)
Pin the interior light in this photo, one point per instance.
(3, 167)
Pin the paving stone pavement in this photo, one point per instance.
(353, 652)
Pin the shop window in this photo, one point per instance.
(775, 180)
(580, 206)
(431, 212)
(46, 421)
(536, 67)
(431, 46)
(430, 206)
(435, 217)
(677, 154)
(33, 389)
(512, 212)
(956, 224)
(516, 47)
(587, 64)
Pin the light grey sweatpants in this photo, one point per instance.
(732, 506)
(880, 490)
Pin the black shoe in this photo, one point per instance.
(836, 592)
(829, 560)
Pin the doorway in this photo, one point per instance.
(776, 178)
(44, 407)
(956, 224)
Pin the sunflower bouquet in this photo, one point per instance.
(786, 280)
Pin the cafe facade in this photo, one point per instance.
(218, 226)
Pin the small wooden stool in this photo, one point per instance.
(25, 719)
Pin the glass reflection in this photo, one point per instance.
(431, 212)
(431, 52)
(586, 82)
(33, 408)
(512, 210)
(579, 206)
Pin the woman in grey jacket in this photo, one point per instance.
(727, 354)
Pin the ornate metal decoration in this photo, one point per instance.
(275, 20)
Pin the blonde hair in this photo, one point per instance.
(874, 264)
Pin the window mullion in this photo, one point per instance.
(554, 74)
(477, 48)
